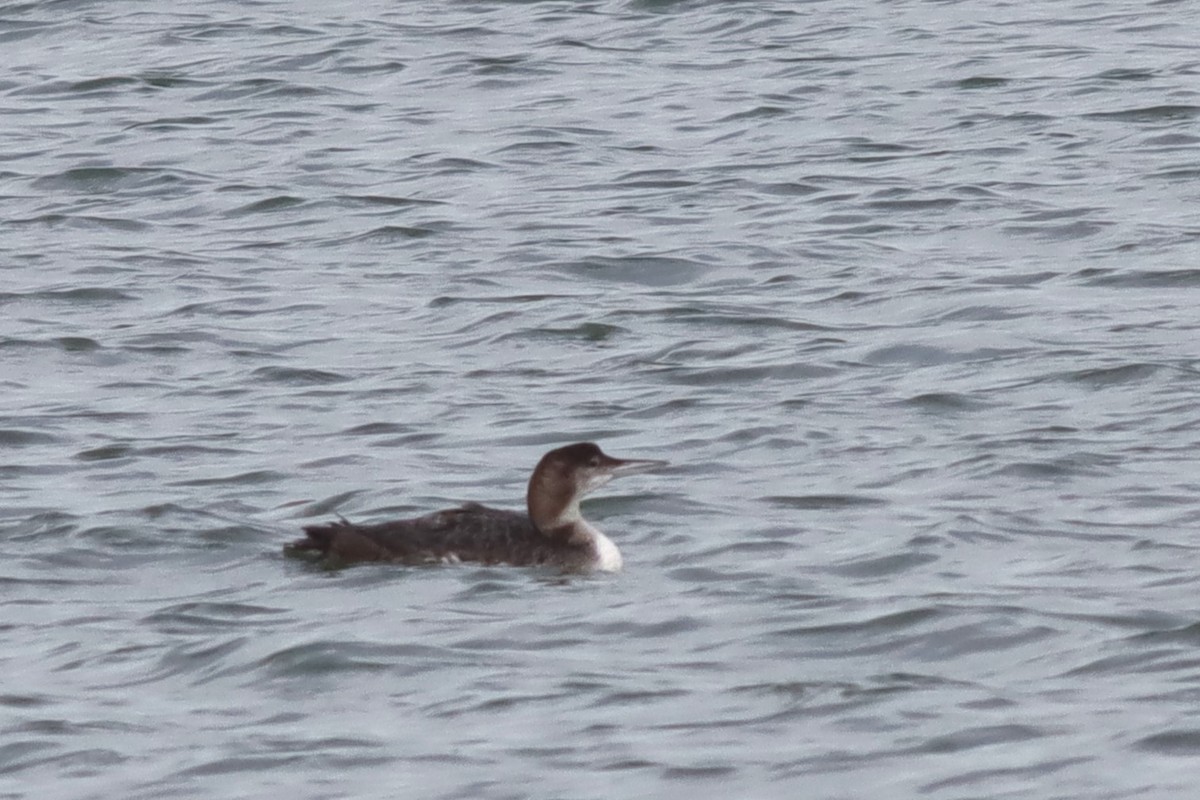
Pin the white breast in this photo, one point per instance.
(608, 557)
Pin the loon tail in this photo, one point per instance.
(318, 539)
(341, 540)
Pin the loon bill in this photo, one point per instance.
(552, 533)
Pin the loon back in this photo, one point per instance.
(473, 532)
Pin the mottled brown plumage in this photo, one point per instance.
(552, 532)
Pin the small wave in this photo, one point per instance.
(20, 437)
(1148, 114)
(299, 377)
(1175, 742)
(823, 502)
(83, 294)
(242, 478)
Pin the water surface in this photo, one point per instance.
(906, 292)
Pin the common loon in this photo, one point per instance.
(553, 533)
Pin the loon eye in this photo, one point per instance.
(594, 461)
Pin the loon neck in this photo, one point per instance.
(553, 504)
(557, 518)
(569, 527)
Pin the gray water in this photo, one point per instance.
(907, 292)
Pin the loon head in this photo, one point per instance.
(566, 474)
